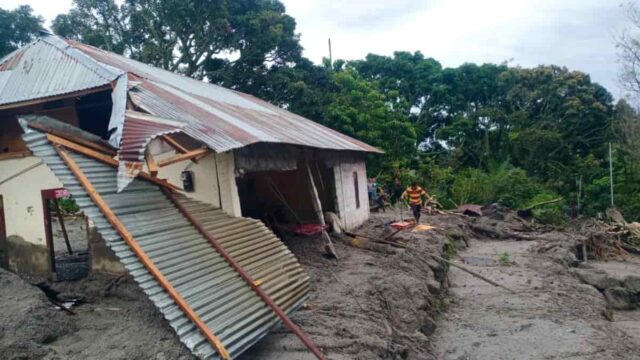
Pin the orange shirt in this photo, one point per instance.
(414, 195)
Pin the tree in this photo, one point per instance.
(628, 44)
(17, 28)
(195, 37)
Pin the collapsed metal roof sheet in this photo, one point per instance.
(222, 118)
(49, 67)
(214, 290)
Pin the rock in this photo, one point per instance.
(620, 298)
(632, 283)
(570, 259)
(434, 287)
(600, 281)
(437, 268)
(428, 326)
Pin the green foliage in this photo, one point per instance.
(476, 133)
(17, 28)
(504, 259)
(68, 205)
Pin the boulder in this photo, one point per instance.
(599, 280)
(620, 298)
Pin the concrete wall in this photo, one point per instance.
(205, 179)
(25, 250)
(350, 213)
(103, 260)
(22, 198)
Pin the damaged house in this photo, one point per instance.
(182, 183)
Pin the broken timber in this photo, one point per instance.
(317, 206)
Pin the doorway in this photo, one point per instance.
(283, 197)
(66, 236)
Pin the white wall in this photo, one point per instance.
(205, 179)
(351, 215)
(22, 198)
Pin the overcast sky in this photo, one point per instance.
(574, 33)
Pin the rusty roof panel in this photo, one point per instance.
(227, 305)
(49, 67)
(222, 118)
(139, 130)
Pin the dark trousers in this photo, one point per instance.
(416, 209)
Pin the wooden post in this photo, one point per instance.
(317, 206)
(144, 258)
(64, 228)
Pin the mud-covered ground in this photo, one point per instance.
(553, 315)
(366, 305)
(377, 305)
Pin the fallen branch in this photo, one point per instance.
(467, 270)
(361, 243)
(498, 234)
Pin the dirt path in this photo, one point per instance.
(552, 316)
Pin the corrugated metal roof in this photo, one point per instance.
(222, 118)
(49, 67)
(228, 306)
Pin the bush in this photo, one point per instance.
(68, 206)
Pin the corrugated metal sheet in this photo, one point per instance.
(257, 250)
(139, 130)
(229, 307)
(49, 67)
(223, 119)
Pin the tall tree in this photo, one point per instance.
(628, 44)
(195, 37)
(17, 28)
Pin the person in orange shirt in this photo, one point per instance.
(416, 196)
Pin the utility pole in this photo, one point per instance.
(330, 55)
(611, 174)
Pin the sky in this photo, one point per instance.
(578, 34)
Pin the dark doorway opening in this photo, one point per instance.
(284, 196)
(66, 238)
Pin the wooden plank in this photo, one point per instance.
(151, 163)
(144, 258)
(56, 132)
(186, 156)
(64, 228)
(177, 146)
(15, 155)
(254, 284)
(317, 206)
(174, 144)
(107, 160)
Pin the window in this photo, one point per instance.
(357, 190)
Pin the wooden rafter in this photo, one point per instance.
(177, 146)
(141, 254)
(174, 144)
(106, 159)
(55, 132)
(151, 163)
(181, 157)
